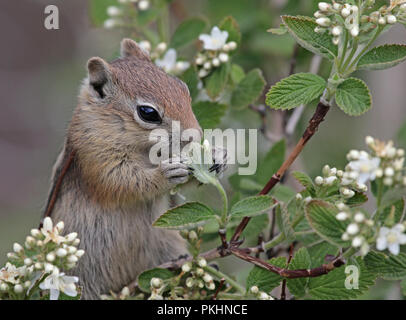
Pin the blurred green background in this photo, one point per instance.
(41, 70)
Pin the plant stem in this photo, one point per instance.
(228, 279)
(351, 55)
(224, 215)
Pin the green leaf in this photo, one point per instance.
(209, 113)
(302, 29)
(358, 199)
(271, 163)
(283, 222)
(248, 89)
(402, 135)
(321, 217)
(403, 286)
(279, 31)
(383, 57)
(186, 215)
(291, 92)
(305, 181)
(237, 73)
(353, 97)
(98, 11)
(388, 266)
(217, 80)
(393, 211)
(251, 206)
(187, 31)
(332, 285)
(319, 251)
(301, 260)
(230, 25)
(191, 79)
(144, 279)
(266, 280)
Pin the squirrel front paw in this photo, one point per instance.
(175, 170)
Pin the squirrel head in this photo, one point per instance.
(129, 97)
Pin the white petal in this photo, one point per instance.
(383, 232)
(69, 279)
(54, 294)
(381, 243)
(402, 238)
(394, 248)
(363, 178)
(47, 225)
(70, 292)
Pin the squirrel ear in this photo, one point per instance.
(131, 48)
(99, 74)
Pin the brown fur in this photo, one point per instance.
(111, 193)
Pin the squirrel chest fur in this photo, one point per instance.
(111, 192)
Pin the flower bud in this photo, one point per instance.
(345, 12)
(388, 181)
(192, 235)
(113, 11)
(299, 196)
(190, 282)
(359, 217)
(223, 57)
(323, 22)
(72, 259)
(336, 41)
(207, 65)
(211, 286)
(352, 229)
(337, 6)
(345, 236)
(156, 283)
(318, 15)
(307, 199)
(337, 31)
(3, 287)
(330, 180)
(254, 290)
(186, 267)
(161, 47)
(199, 272)
(18, 288)
(319, 180)
(27, 284)
(27, 261)
(391, 19)
(50, 257)
(76, 242)
(145, 45)
(60, 225)
(357, 242)
(35, 233)
(369, 141)
(49, 268)
(47, 224)
(199, 61)
(382, 21)
(324, 6)
(216, 62)
(341, 216)
(389, 172)
(80, 253)
(201, 262)
(71, 236)
(61, 252)
(38, 265)
(232, 45)
(207, 278)
(17, 247)
(355, 31)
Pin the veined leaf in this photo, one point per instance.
(251, 206)
(187, 215)
(283, 222)
(321, 217)
(388, 266)
(291, 92)
(383, 57)
(305, 181)
(248, 89)
(217, 80)
(209, 113)
(266, 280)
(144, 279)
(273, 160)
(353, 97)
(230, 25)
(301, 260)
(187, 31)
(302, 29)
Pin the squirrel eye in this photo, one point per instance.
(149, 114)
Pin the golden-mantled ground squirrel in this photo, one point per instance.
(110, 192)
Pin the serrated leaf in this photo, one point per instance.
(248, 89)
(217, 80)
(251, 206)
(305, 181)
(393, 211)
(319, 251)
(353, 97)
(144, 279)
(388, 266)
(291, 92)
(383, 57)
(208, 113)
(254, 228)
(322, 218)
(230, 25)
(332, 285)
(283, 222)
(187, 215)
(301, 260)
(358, 199)
(302, 29)
(188, 31)
(282, 193)
(266, 280)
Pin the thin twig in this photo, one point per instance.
(283, 290)
(311, 129)
(222, 280)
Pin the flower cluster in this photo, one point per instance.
(215, 51)
(382, 161)
(359, 230)
(39, 263)
(337, 17)
(165, 58)
(260, 295)
(116, 13)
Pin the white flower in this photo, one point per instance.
(51, 233)
(215, 41)
(365, 167)
(58, 282)
(169, 64)
(113, 11)
(391, 239)
(143, 5)
(9, 273)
